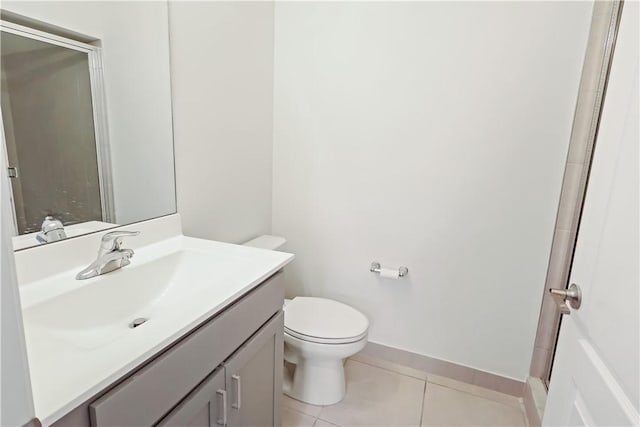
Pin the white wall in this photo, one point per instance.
(16, 400)
(222, 78)
(431, 135)
(135, 41)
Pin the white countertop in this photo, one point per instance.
(70, 366)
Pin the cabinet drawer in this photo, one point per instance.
(143, 398)
(248, 314)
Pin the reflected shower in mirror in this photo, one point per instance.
(50, 136)
(77, 160)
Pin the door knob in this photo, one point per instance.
(572, 295)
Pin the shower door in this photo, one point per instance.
(53, 129)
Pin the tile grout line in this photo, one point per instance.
(315, 418)
(285, 406)
(475, 395)
(424, 398)
(503, 399)
(426, 380)
(325, 421)
(524, 413)
(392, 371)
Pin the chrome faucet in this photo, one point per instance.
(111, 256)
(52, 230)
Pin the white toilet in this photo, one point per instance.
(319, 334)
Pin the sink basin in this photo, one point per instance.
(103, 308)
(78, 332)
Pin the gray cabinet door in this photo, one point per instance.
(203, 407)
(254, 378)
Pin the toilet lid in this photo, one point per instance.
(324, 320)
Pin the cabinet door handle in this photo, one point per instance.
(222, 421)
(238, 381)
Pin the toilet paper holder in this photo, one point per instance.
(375, 268)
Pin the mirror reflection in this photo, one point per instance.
(58, 148)
(50, 137)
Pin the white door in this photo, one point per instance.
(596, 372)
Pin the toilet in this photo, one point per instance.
(319, 333)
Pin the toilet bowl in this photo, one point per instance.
(319, 334)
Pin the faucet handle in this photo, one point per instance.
(51, 230)
(50, 223)
(113, 240)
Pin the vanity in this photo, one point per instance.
(227, 372)
(189, 334)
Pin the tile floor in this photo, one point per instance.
(380, 394)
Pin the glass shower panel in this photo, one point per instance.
(47, 115)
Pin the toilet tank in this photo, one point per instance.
(272, 243)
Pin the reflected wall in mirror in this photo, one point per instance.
(86, 126)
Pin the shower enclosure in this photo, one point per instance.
(54, 129)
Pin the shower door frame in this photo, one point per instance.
(549, 320)
(98, 104)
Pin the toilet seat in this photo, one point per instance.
(324, 321)
(319, 340)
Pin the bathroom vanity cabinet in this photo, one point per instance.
(225, 372)
(237, 393)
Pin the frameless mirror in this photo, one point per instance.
(86, 119)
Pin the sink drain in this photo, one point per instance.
(137, 322)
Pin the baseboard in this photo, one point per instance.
(446, 369)
(534, 398)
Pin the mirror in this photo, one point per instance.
(86, 127)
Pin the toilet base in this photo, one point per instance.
(314, 372)
(316, 382)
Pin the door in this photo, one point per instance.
(254, 378)
(203, 407)
(596, 375)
